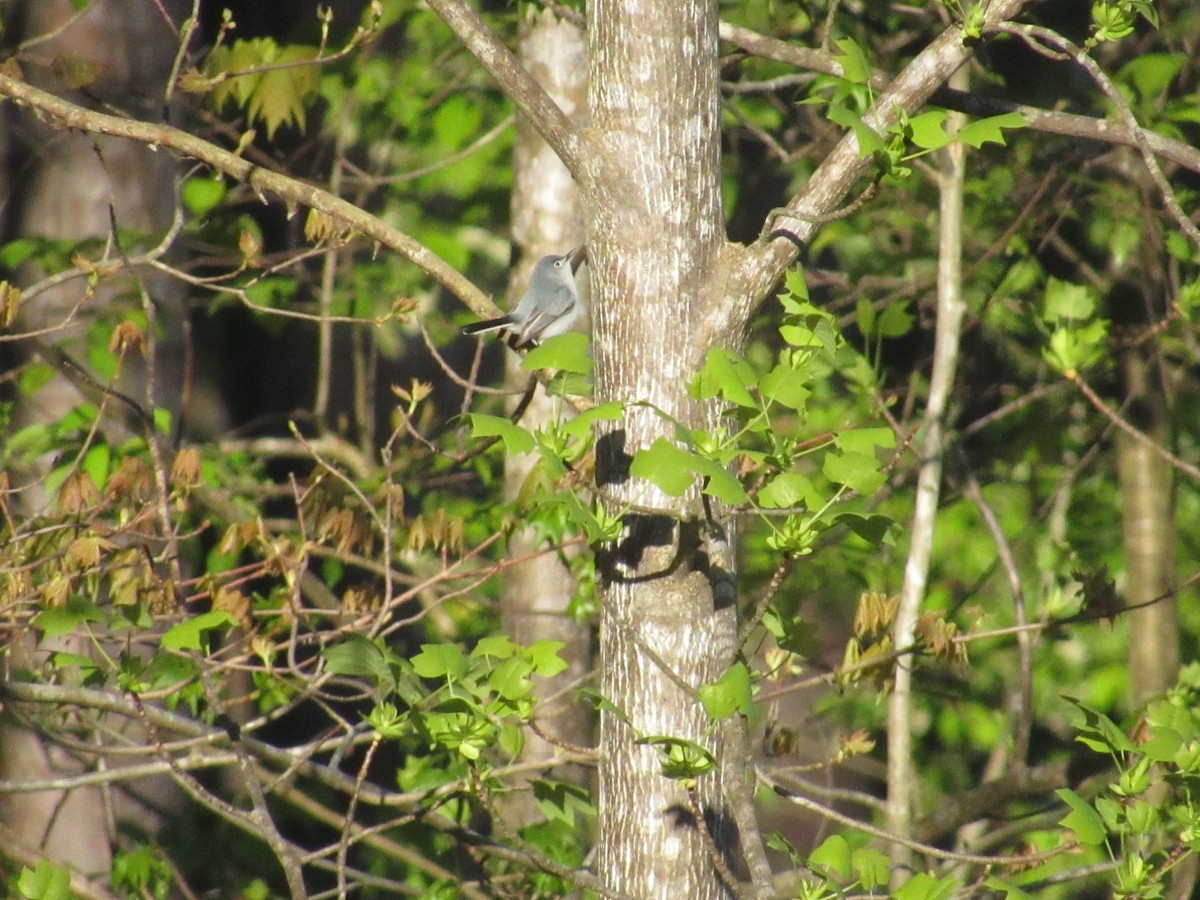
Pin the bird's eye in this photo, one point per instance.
(558, 263)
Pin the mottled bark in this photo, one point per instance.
(537, 593)
(655, 234)
(1147, 516)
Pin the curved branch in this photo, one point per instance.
(516, 83)
(763, 263)
(1086, 128)
(292, 191)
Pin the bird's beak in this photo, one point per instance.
(576, 258)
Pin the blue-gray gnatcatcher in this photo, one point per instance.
(550, 305)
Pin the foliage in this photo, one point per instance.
(308, 604)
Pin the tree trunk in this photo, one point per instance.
(1147, 517)
(655, 236)
(536, 594)
(75, 186)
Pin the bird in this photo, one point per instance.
(549, 307)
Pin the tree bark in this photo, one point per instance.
(1147, 517)
(655, 238)
(76, 186)
(536, 594)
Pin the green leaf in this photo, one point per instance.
(872, 867)
(190, 633)
(794, 634)
(564, 352)
(1083, 819)
(858, 471)
(1152, 73)
(494, 646)
(796, 287)
(600, 703)
(721, 483)
(926, 887)
(45, 881)
(61, 659)
(440, 660)
(202, 193)
(1099, 731)
(983, 131)
(357, 656)
(59, 620)
(515, 438)
(16, 252)
(872, 529)
(511, 679)
(1065, 301)
(665, 465)
(789, 489)
(928, 131)
(869, 140)
(728, 376)
(96, 463)
(732, 692)
(282, 95)
(786, 385)
(865, 440)
(560, 800)
(833, 856)
(544, 657)
(855, 65)
(681, 758)
(895, 321)
(581, 424)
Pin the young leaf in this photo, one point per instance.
(732, 692)
(189, 634)
(665, 465)
(833, 856)
(855, 65)
(857, 471)
(544, 657)
(728, 376)
(1082, 819)
(440, 660)
(928, 131)
(516, 439)
(560, 800)
(564, 352)
(983, 131)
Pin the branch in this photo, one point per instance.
(1052, 122)
(902, 780)
(1093, 398)
(292, 191)
(762, 264)
(988, 800)
(1015, 861)
(1032, 35)
(516, 83)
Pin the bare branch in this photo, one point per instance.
(292, 191)
(1032, 35)
(1051, 121)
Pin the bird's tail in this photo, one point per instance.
(488, 325)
